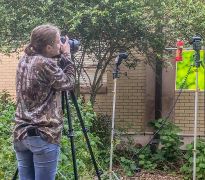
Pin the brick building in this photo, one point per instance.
(135, 98)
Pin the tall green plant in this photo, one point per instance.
(7, 157)
(168, 155)
(170, 140)
(187, 168)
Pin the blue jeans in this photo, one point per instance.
(37, 159)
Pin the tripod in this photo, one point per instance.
(196, 41)
(118, 61)
(71, 134)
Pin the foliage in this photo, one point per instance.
(7, 157)
(129, 166)
(187, 18)
(7, 105)
(92, 20)
(182, 68)
(105, 28)
(168, 156)
(102, 128)
(124, 155)
(146, 160)
(169, 139)
(187, 168)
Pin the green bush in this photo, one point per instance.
(187, 168)
(102, 128)
(169, 139)
(125, 154)
(168, 155)
(146, 160)
(7, 156)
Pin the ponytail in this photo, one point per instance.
(29, 50)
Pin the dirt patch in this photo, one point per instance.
(143, 175)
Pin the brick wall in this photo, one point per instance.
(134, 97)
(185, 109)
(8, 66)
(130, 98)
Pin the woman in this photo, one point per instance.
(38, 117)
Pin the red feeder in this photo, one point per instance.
(179, 45)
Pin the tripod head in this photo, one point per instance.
(118, 61)
(196, 42)
(120, 57)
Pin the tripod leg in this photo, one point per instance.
(70, 134)
(85, 133)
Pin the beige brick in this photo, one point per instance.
(130, 104)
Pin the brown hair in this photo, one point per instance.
(41, 36)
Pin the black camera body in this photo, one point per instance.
(196, 42)
(197, 45)
(120, 57)
(118, 61)
(74, 44)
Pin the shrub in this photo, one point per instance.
(168, 156)
(187, 168)
(102, 128)
(7, 156)
(169, 139)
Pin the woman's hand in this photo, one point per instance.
(65, 47)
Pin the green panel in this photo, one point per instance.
(182, 69)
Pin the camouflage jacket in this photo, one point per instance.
(39, 82)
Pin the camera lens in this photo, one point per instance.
(74, 44)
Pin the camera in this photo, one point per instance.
(120, 57)
(196, 42)
(74, 44)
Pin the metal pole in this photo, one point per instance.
(116, 72)
(113, 126)
(170, 48)
(195, 126)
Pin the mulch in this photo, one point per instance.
(157, 175)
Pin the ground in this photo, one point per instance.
(153, 176)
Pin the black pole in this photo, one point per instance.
(158, 90)
(98, 173)
(70, 133)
